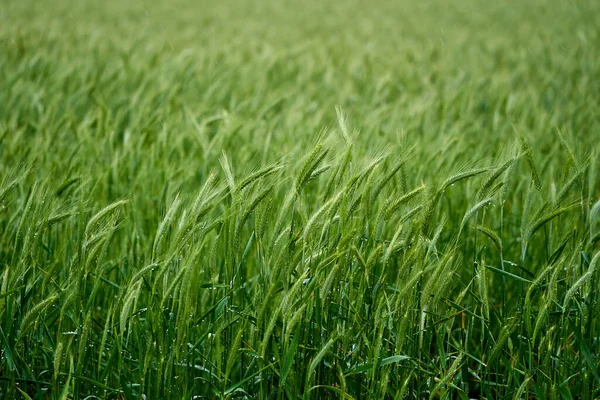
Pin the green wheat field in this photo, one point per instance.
(299, 199)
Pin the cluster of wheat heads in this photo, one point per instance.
(337, 273)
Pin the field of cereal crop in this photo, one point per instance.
(299, 199)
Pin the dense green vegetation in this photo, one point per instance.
(299, 199)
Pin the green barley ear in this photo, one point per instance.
(570, 155)
(6, 187)
(226, 166)
(502, 341)
(346, 164)
(323, 209)
(528, 303)
(252, 178)
(234, 352)
(485, 189)
(567, 186)
(490, 234)
(102, 213)
(319, 357)
(328, 283)
(521, 389)
(542, 220)
(163, 226)
(307, 173)
(462, 176)
(32, 316)
(448, 376)
(473, 210)
(343, 124)
(437, 194)
(58, 354)
(391, 209)
(529, 157)
(385, 180)
(580, 282)
(129, 305)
